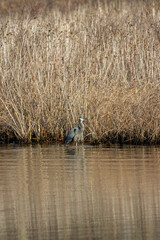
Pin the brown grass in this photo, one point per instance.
(97, 62)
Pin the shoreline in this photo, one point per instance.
(5, 140)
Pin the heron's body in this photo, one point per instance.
(76, 133)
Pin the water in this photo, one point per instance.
(58, 192)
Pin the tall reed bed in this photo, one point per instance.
(96, 62)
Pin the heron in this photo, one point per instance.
(76, 134)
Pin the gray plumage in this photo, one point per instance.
(76, 133)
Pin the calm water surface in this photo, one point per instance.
(58, 192)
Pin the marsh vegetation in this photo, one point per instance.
(98, 60)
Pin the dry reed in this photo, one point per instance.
(97, 62)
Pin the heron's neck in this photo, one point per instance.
(81, 124)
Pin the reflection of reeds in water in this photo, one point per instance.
(103, 194)
(98, 62)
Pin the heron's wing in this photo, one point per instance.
(71, 134)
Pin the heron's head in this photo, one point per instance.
(81, 119)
